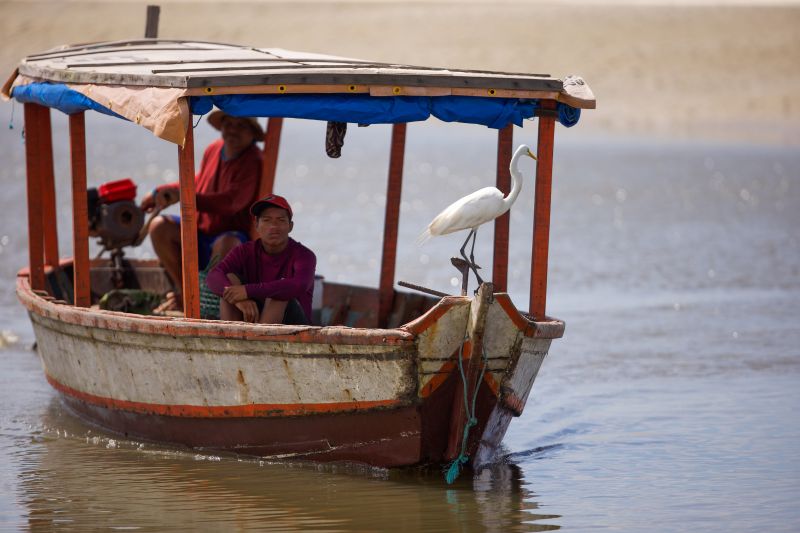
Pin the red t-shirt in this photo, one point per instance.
(226, 189)
(284, 276)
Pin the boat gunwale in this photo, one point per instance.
(198, 327)
(404, 335)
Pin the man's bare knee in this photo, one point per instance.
(165, 236)
(229, 311)
(163, 230)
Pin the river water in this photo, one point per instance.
(671, 403)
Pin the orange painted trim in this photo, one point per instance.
(513, 313)
(434, 314)
(546, 328)
(259, 410)
(447, 368)
(185, 327)
(437, 380)
(493, 385)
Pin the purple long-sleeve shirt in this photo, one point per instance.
(284, 276)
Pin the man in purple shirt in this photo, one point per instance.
(271, 279)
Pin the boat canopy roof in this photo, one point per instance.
(160, 83)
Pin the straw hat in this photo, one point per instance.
(216, 117)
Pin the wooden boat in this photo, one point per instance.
(385, 377)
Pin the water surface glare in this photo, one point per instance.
(670, 404)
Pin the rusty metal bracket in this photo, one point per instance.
(463, 267)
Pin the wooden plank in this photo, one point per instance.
(505, 139)
(256, 58)
(33, 141)
(188, 65)
(134, 51)
(71, 76)
(80, 216)
(373, 90)
(505, 93)
(151, 25)
(377, 78)
(278, 89)
(387, 90)
(287, 77)
(541, 211)
(130, 45)
(272, 142)
(48, 183)
(391, 223)
(190, 271)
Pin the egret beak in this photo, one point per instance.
(533, 156)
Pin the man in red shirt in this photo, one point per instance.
(226, 185)
(271, 279)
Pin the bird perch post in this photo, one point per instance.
(541, 210)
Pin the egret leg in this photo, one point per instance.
(463, 246)
(472, 258)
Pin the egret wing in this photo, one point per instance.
(468, 212)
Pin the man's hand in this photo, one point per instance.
(160, 198)
(249, 310)
(234, 294)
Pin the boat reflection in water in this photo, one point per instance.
(81, 478)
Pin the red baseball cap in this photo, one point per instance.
(270, 200)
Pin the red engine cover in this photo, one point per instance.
(115, 191)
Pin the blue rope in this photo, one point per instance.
(454, 469)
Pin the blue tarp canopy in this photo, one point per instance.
(353, 108)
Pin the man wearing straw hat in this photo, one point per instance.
(226, 185)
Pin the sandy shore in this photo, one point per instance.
(723, 73)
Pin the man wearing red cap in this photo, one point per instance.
(225, 186)
(268, 280)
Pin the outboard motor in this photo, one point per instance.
(116, 220)
(114, 217)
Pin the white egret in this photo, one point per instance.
(475, 209)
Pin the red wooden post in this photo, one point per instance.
(541, 211)
(391, 222)
(505, 138)
(191, 280)
(80, 217)
(33, 142)
(272, 142)
(48, 191)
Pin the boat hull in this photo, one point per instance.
(386, 397)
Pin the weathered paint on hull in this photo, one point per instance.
(382, 397)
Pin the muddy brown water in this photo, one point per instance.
(669, 405)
